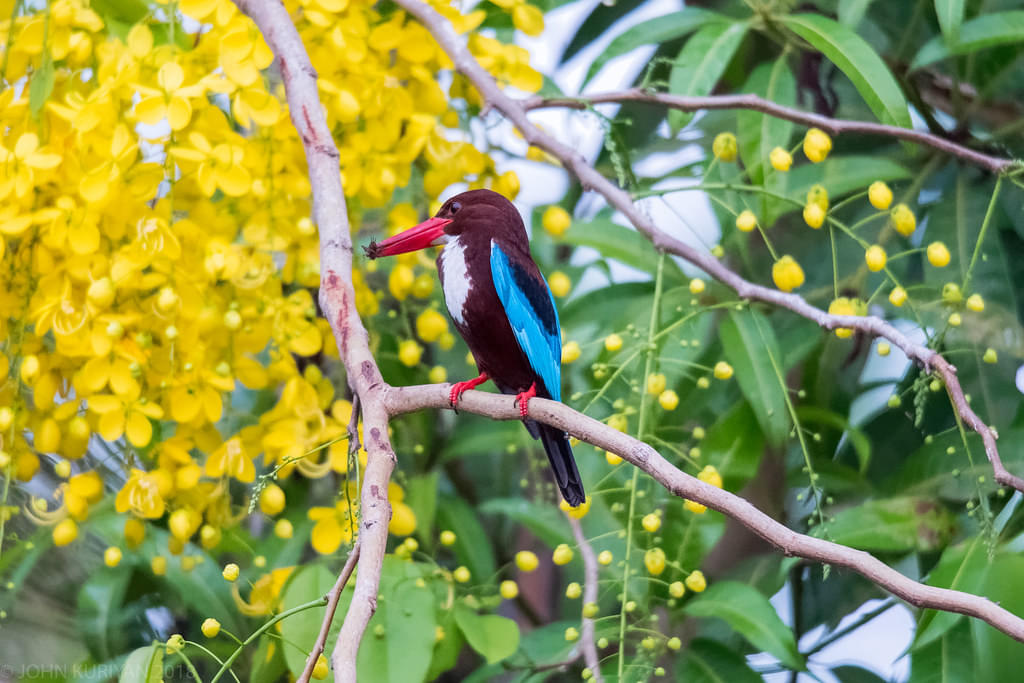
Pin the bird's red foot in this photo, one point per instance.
(524, 398)
(460, 387)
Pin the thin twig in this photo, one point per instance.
(592, 179)
(401, 400)
(831, 126)
(332, 605)
(590, 575)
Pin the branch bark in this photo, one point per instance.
(332, 606)
(831, 126)
(590, 585)
(516, 112)
(401, 400)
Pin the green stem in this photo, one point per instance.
(319, 602)
(641, 426)
(981, 235)
(191, 668)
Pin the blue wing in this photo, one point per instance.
(531, 312)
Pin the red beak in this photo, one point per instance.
(429, 233)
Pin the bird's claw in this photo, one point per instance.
(460, 388)
(523, 399)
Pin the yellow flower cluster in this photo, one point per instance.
(157, 254)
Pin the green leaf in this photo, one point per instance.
(998, 656)
(446, 651)
(852, 11)
(472, 545)
(749, 613)
(654, 31)
(987, 30)
(759, 133)
(267, 661)
(701, 62)
(751, 347)
(144, 665)
(961, 568)
(421, 496)
(734, 445)
(858, 61)
(950, 659)
(546, 521)
(855, 674)
(707, 661)
(100, 602)
(41, 86)
(494, 637)
(951, 15)
(620, 243)
(893, 525)
(857, 438)
(307, 584)
(602, 17)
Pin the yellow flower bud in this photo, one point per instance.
(62, 469)
(898, 296)
(611, 458)
(883, 349)
(30, 368)
(722, 370)
(902, 219)
(438, 374)
(556, 221)
(573, 591)
(654, 560)
(447, 537)
(724, 147)
(572, 634)
(780, 159)
(283, 528)
(676, 589)
(134, 532)
(400, 281)
(562, 555)
(710, 475)
(112, 556)
(461, 574)
(430, 325)
(696, 581)
(655, 383)
(509, 590)
(409, 353)
(696, 286)
(817, 145)
(613, 342)
(879, 195)
(605, 557)
(694, 507)
(975, 303)
(578, 512)
(230, 572)
(560, 284)
(787, 274)
(668, 400)
(990, 357)
(210, 628)
(938, 254)
(590, 610)
(875, 257)
(842, 306)
(570, 352)
(6, 418)
(674, 643)
(954, 319)
(158, 565)
(101, 292)
(320, 669)
(746, 221)
(814, 215)
(526, 560)
(272, 500)
(651, 523)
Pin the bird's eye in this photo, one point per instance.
(454, 208)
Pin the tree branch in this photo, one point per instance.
(337, 300)
(515, 111)
(332, 605)
(831, 126)
(402, 400)
(590, 585)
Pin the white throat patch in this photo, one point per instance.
(456, 283)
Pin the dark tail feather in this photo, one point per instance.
(556, 445)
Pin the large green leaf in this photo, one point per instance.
(998, 655)
(851, 12)
(472, 545)
(759, 133)
(950, 659)
(144, 665)
(546, 521)
(494, 637)
(750, 614)
(307, 584)
(100, 605)
(421, 496)
(707, 661)
(734, 445)
(750, 346)
(602, 17)
(620, 243)
(702, 61)
(858, 61)
(951, 15)
(652, 32)
(987, 30)
(893, 525)
(961, 568)
(856, 437)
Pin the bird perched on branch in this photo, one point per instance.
(503, 308)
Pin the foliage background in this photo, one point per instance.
(160, 331)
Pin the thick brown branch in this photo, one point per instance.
(337, 299)
(332, 606)
(406, 399)
(618, 198)
(832, 126)
(590, 579)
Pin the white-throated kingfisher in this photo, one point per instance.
(502, 306)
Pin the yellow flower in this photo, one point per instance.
(508, 590)
(230, 572)
(875, 257)
(272, 500)
(283, 528)
(605, 557)
(710, 475)
(676, 589)
(787, 274)
(991, 356)
(724, 147)
(668, 399)
(694, 507)
(562, 555)
(321, 668)
(902, 218)
(143, 495)
(403, 519)
(573, 590)
(654, 560)
(938, 254)
(556, 221)
(461, 574)
(780, 159)
(696, 581)
(651, 522)
(210, 627)
(613, 342)
(334, 525)
(65, 532)
(560, 284)
(655, 383)
(231, 460)
(409, 353)
(447, 537)
(897, 296)
(696, 286)
(817, 145)
(611, 458)
(18, 167)
(879, 195)
(722, 370)
(171, 101)
(975, 303)
(814, 215)
(572, 634)
(158, 565)
(219, 167)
